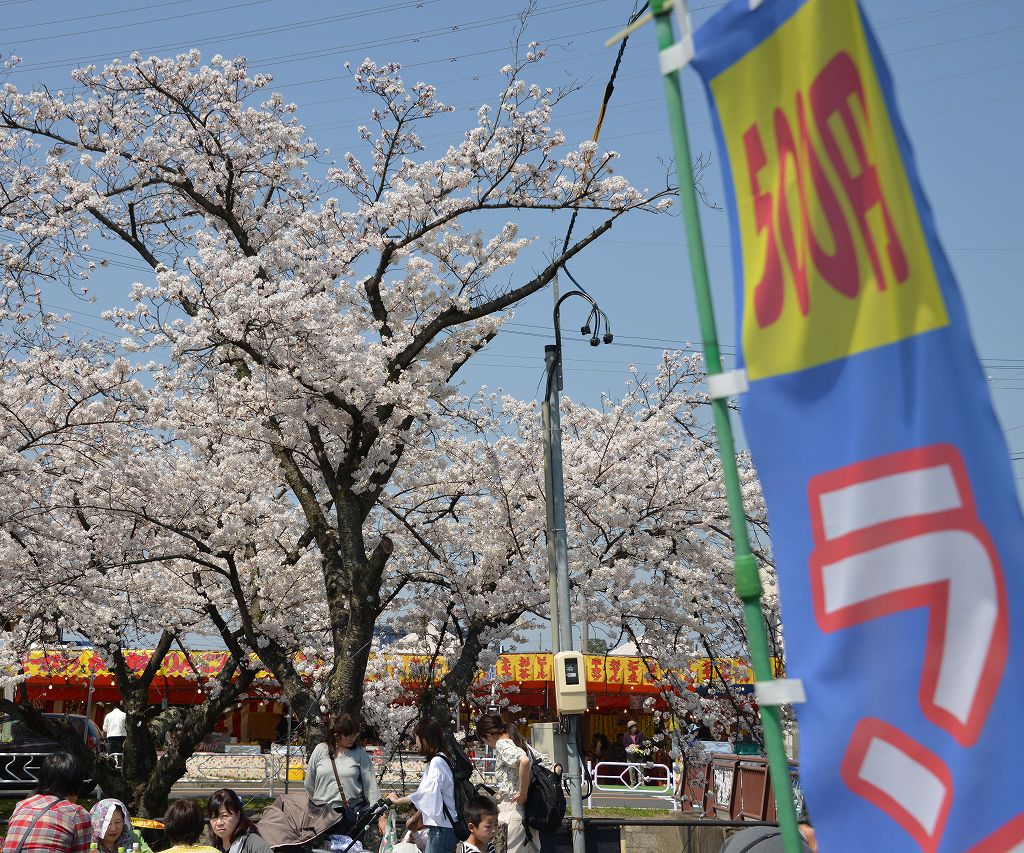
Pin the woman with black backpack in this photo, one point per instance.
(434, 799)
(513, 761)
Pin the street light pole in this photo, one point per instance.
(288, 750)
(545, 416)
(558, 549)
(88, 703)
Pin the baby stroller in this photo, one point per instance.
(293, 823)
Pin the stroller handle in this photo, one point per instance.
(376, 810)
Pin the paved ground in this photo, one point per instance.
(609, 799)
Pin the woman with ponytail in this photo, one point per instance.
(511, 776)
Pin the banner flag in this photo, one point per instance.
(896, 528)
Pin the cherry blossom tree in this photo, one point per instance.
(68, 567)
(647, 523)
(289, 356)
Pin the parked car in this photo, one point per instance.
(22, 749)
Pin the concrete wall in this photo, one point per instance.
(671, 839)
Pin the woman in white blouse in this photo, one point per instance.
(434, 799)
(511, 779)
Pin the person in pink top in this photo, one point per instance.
(635, 745)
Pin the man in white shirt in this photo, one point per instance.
(115, 728)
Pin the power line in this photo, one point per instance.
(79, 33)
(669, 343)
(969, 104)
(410, 38)
(92, 16)
(935, 13)
(415, 37)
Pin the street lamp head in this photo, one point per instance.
(585, 330)
(595, 341)
(608, 338)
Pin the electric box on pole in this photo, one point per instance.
(570, 683)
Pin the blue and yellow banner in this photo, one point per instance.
(896, 527)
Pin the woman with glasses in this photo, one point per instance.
(340, 771)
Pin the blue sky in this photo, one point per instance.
(959, 73)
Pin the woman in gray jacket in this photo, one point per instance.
(230, 830)
(341, 771)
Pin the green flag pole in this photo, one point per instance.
(748, 583)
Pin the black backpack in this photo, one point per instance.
(462, 771)
(545, 800)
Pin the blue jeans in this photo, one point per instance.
(440, 839)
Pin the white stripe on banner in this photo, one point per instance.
(912, 785)
(871, 502)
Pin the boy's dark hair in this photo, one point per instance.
(184, 822)
(60, 775)
(479, 807)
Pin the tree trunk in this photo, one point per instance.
(353, 583)
(150, 799)
(353, 655)
(303, 704)
(437, 701)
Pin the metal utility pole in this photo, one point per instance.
(559, 551)
(545, 416)
(288, 750)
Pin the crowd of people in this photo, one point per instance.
(52, 821)
(339, 778)
(339, 773)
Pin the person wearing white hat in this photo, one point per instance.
(636, 749)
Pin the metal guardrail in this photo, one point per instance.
(631, 776)
(631, 779)
(269, 770)
(206, 767)
(485, 767)
(19, 772)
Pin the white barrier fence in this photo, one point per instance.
(629, 779)
(268, 772)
